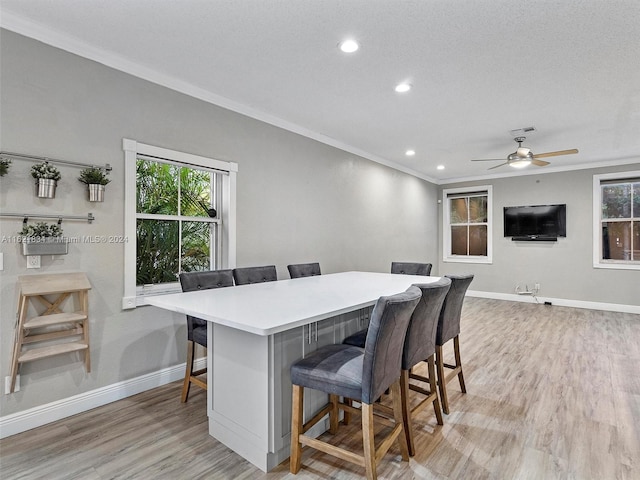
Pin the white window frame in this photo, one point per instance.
(446, 225)
(598, 261)
(135, 296)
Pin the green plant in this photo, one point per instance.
(94, 176)
(4, 166)
(41, 229)
(46, 171)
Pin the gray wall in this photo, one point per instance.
(564, 269)
(297, 200)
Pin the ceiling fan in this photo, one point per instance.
(523, 156)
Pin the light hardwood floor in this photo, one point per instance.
(553, 393)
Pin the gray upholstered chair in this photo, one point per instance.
(303, 270)
(196, 327)
(449, 328)
(411, 268)
(362, 374)
(246, 275)
(419, 346)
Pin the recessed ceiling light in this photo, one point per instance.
(349, 46)
(403, 87)
(410, 153)
(440, 167)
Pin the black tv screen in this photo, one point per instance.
(535, 221)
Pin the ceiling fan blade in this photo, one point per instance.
(502, 164)
(487, 160)
(540, 163)
(555, 154)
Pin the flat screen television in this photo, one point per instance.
(535, 222)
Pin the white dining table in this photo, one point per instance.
(255, 332)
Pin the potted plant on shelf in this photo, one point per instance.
(95, 179)
(4, 166)
(43, 239)
(47, 177)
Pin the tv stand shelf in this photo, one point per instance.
(534, 238)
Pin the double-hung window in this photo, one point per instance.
(180, 210)
(616, 220)
(467, 225)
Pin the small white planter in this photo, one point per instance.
(45, 246)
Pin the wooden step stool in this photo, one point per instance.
(73, 326)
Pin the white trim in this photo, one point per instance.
(132, 297)
(559, 302)
(598, 262)
(44, 414)
(446, 230)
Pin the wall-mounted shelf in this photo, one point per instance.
(34, 158)
(26, 216)
(534, 238)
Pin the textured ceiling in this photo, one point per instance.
(478, 68)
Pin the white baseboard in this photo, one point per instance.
(38, 416)
(561, 302)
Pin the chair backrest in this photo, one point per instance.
(247, 275)
(411, 268)
(449, 322)
(420, 342)
(303, 270)
(385, 342)
(192, 281)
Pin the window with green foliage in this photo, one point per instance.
(467, 225)
(618, 221)
(175, 220)
(179, 216)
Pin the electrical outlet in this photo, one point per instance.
(7, 385)
(33, 261)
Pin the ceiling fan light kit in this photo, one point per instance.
(523, 156)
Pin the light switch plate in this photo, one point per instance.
(1, 261)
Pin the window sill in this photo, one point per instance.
(618, 266)
(484, 260)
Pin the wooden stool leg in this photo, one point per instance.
(397, 415)
(432, 389)
(406, 412)
(368, 441)
(333, 414)
(84, 302)
(456, 351)
(442, 381)
(188, 371)
(347, 415)
(19, 337)
(296, 428)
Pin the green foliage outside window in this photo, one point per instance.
(167, 189)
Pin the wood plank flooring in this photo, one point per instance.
(553, 393)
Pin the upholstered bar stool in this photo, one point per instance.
(411, 268)
(303, 270)
(362, 374)
(419, 346)
(196, 327)
(246, 275)
(449, 328)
